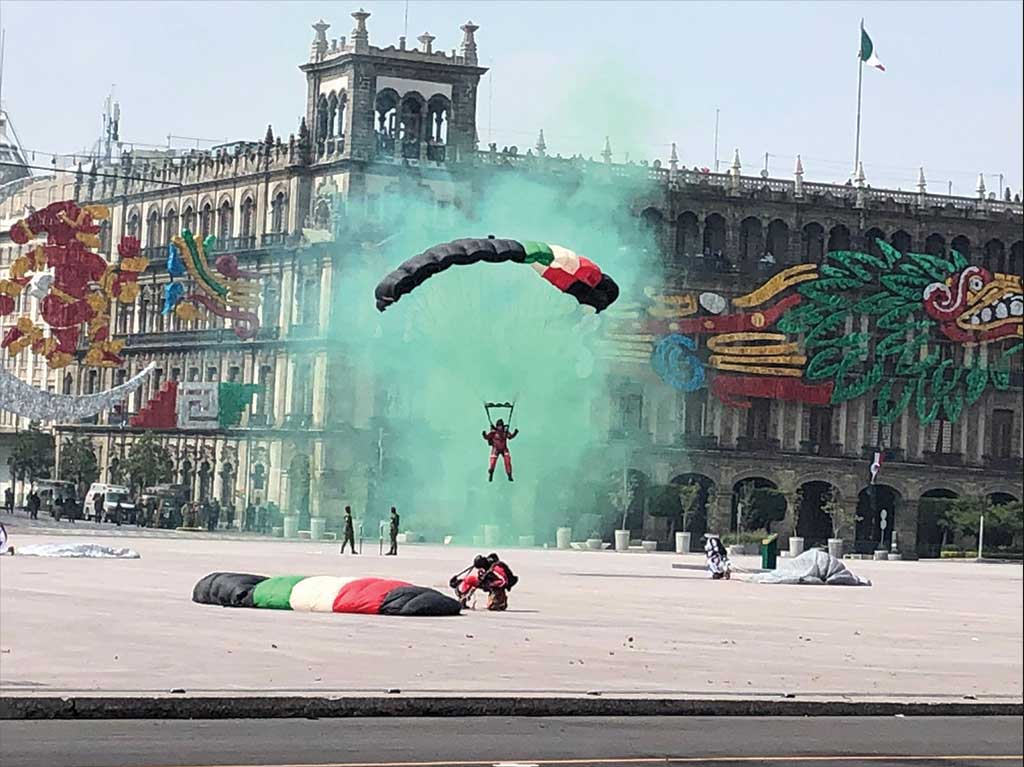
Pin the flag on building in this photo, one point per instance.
(876, 464)
(867, 51)
(196, 405)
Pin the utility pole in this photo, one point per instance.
(716, 139)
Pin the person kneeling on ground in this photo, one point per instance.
(489, 574)
(718, 557)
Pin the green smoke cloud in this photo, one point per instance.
(484, 332)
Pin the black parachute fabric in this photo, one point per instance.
(226, 589)
(572, 274)
(417, 601)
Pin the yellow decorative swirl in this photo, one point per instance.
(787, 278)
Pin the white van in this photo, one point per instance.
(111, 495)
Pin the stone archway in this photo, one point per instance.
(932, 532)
(757, 504)
(870, 502)
(813, 524)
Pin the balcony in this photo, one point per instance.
(234, 244)
(889, 454)
(697, 441)
(823, 449)
(258, 421)
(1010, 464)
(274, 239)
(943, 459)
(435, 152)
(757, 444)
(207, 336)
(298, 420)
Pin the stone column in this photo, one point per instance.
(787, 527)
(719, 508)
(906, 528)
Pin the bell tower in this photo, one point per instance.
(395, 104)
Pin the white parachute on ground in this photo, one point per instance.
(815, 567)
(76, 551)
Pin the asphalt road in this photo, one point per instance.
(426, 742)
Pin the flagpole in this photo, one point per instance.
(860, 80)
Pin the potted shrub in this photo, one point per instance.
(595, 541)
(796, 542)
(622, 497)
(844, 520)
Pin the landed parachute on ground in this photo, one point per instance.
(322, 594)
(571, 273)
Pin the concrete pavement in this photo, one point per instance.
(580, 622)
(794, 742)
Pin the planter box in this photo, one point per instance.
(682, 543)
(835, 547)
(796, 546)
(595, 544)
(563, 536)
(622, 540)
(649, 546)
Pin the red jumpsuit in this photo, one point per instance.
(498, 438)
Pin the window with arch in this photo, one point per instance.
(995, 256)
(206, 221)
(132, 227)
(778, 240)
(153, 228)
(248, 214)
(410, 124)
(838, 238)
(751, 240)
(225, 220)
(687, 235)
(188, 218)
(279, 213)
(714, 235)
(935, 245)
(322, 118)
(962, 246)
(170, 224)
(814, 243)
(438, 112)
(386, 111)
(105, 237)
(900, 240)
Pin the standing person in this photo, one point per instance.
(350, 532)
(34, 503)
(118, 511)
(261, 519)
(9, 500)
(395, 520)
(230, 511)
(248, 515)
(97, 507)
(214, 521)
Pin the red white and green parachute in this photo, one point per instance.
(571, 273)
(323, 594)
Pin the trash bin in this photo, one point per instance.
(769, 552)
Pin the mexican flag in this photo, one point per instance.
(867, 51)
(196, 405)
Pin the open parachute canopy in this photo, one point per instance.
(571, 273)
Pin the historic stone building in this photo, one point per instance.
(379, 120)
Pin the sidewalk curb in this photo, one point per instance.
(271, 707)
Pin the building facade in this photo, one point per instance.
(383, 120)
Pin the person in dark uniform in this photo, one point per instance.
(395, 519)
(350, 532)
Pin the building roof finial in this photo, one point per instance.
(360, 35)
(799, 170)
(673, 158)
(541, 146)
(607, 153)
(426, 42)
(736, 167)
(468, 52)
(922, 185)
(860, 178)
(319, 47)
(980, 188)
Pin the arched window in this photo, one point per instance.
(170, 225)
(386, 110)
(188, 219)
(870, 244)
(225, 221)
(339, 129)
(248, 212)
(838, 238)
(105, 237)
(814, 243)
(411, 125)
(279, 213)
(322, 118)
(714, 235)
(962, 246)
(332, 116)
(153, 228)
(935, 245)
(687, 235)
(778, 240)
(438, 109)
(132, 228)
(1016, 262)
(206, 221)
(995, 256)
(650, 226)
(751, 243)
(902, 241)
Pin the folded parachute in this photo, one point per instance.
(322, 594)
(571, 273)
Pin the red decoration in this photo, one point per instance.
(161, 411)
(728, 388)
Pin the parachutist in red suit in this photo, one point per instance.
(498, 438)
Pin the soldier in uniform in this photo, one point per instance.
(350, 533)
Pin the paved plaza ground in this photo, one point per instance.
(579, 622)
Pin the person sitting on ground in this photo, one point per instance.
(717, 557)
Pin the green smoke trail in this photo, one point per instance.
(484, 332)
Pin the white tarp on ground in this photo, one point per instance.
(75, 550)
(815, 567)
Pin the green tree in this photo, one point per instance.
(148, 462)
(676, 503)
(78, 463)
(1004, 523)
(844, 518)
(32, 457)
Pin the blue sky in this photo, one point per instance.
(645, 74)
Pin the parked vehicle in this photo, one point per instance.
(112, 495)
(58, 498)
(169, 499)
